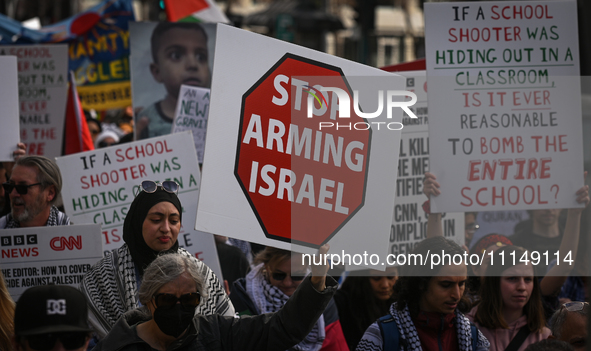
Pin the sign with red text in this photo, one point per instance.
(504, 96)
(48, 255)
(9, 102)
(100, 185)
(293, 163)
(409, 222)
(42, 93)
(192, 109)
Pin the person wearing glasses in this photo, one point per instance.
(33, 188)
(169, 318)
(51, 317)
(269, 286)
(151, 228)
(569, 324)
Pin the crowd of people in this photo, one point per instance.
(150, 294)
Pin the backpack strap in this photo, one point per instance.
(518, 339)
(474, 330)
(390, 334)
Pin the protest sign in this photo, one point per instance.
(101, 184)
(504, 96)
(42, 92)
(48, 255)
(98, 51)
(9, 113)
(409, 223)
(264, 183)
(156, 85)
(191, 113)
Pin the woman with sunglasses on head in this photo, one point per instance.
(269, 285)
(170, 295)
(151, 228)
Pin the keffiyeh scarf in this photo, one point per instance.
(409, 338)
(111, 290)
(268, 298)
(56, 217)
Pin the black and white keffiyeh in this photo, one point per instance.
(111, 290)
(56, 217)
(409, 338)
(268, 298)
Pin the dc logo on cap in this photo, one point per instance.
(56, 307)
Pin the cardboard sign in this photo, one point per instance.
(505, 104)
(101, 184)
(9, 102)
(409, 223)
(191, 114)
(42, 93)
(271, 156)
(48, 255)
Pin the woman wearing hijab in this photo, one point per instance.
(150, 228)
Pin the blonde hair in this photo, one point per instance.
(6, 316)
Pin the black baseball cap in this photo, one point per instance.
(50, 309)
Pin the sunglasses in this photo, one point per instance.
(472, 227)
(282, 276)
(575, 306)
(22, 189)
(70, 341)
(188, 301)
(151, 186)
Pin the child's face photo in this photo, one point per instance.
(182, 58)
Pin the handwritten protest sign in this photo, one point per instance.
(504, 96)
(42, 92)
(192, 109)
(48, 255)
(409, 223)
(279, 179)
(101, 184)
(9, 113)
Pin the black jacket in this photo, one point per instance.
(271, 331)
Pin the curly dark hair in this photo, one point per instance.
(414, 278)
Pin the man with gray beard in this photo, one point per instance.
(34, 186)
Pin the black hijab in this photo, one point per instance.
(141, 253)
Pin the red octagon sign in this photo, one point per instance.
(304, 180)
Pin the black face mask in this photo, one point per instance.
(173, 321)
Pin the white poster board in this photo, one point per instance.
(100, 185)
(42, 94)
(9, 112)
(409, 222)
(191, 114)
(48, 255)
(505, 103)
(227, 204)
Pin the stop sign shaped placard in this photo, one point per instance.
(304, 179)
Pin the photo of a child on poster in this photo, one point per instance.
(164, 56)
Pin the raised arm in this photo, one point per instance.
(434, 222)
(557, 275)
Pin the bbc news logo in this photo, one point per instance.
(17, 240)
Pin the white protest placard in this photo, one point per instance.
(42, 93)
(9, 102)
(505, 104)
(409, 223)
(191, 114)
(283, 165)
(100, 185)
(48, 255)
